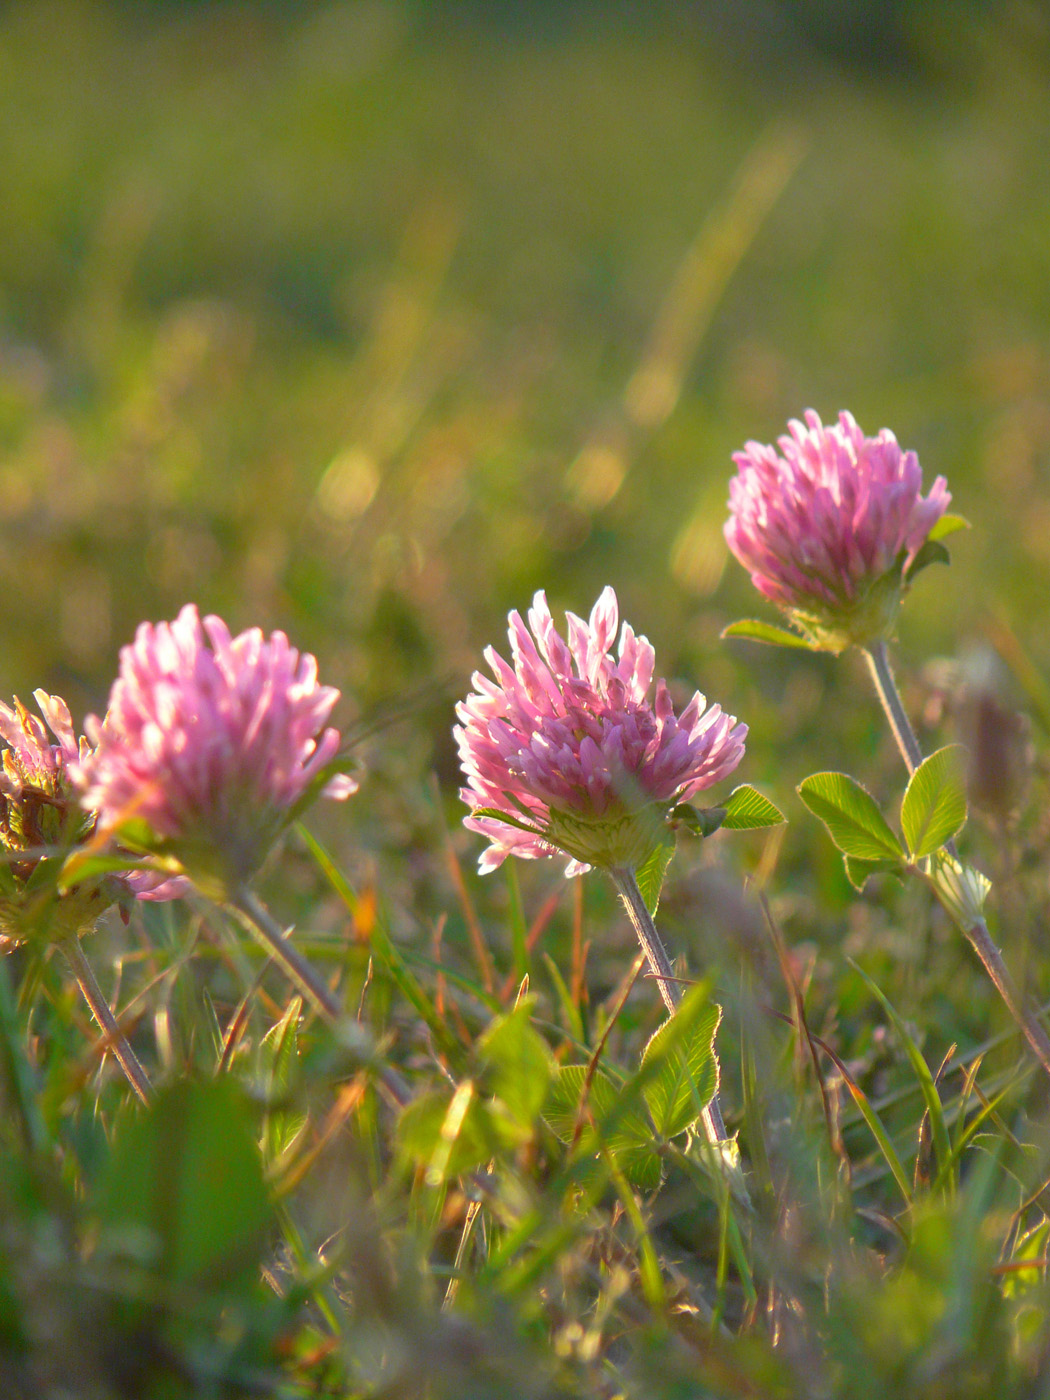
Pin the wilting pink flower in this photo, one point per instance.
(41, 821)
(211, 741)
(829, 526)
(567, 743)
(38, 805)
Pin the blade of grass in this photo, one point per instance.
(518, 931)
(535, 933)
(22, 1089)
(573, 1020)
(932, 1099)
(477, 939)
(867, 1112)
(648, 1264)
(734, 1238)
(963, 1139)
(753, 1120)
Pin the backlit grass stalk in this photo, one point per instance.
(115, 1039)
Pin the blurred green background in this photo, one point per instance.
(367, 319)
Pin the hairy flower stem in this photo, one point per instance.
(273, 939)
(116, 1040)
(265, 928)
(978, 935)
(654, 950)
(878, 660)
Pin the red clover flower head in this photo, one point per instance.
(830, 525)
(213, 742)
(565, 753)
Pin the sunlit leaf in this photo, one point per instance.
(698, 821)
(599, 1110)
(947, 525)
(650, 874)
(446, 1134)
(858, 871)
(934, 806)
(748, 810)
(851, 816)
(519, 1064)
(687, 1074)
(187, 1178)
(932, 552)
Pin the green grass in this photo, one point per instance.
(365, 321)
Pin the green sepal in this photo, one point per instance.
(84, 865)
(768, 632)
(496, 814)
(960, 888)
(932, 552)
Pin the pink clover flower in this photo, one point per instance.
(570, 755)
(830, 525)
(213, 742)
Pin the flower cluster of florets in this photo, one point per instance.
(564, 751)
(830, 526)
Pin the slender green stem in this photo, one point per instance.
(977, 934)
(879, 665)
(278, 945)
(265, 928)
(660, 963)
(115, 1039)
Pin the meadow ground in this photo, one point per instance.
(366, 321)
